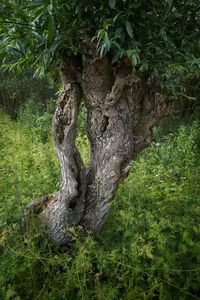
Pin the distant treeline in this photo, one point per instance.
(16, 89)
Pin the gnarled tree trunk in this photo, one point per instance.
(121, 113)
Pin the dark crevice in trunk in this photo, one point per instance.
(104, 124)
(73, 203)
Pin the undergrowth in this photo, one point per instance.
(149, 247)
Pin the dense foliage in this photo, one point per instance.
(161, 38)
(149, 248)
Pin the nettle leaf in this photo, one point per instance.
(112, 3)
(129, 28)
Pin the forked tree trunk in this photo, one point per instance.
(121, 112)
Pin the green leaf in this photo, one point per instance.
(134, 59)
(21, 47)
(54, 46)
(38, 36)
(36, 3)
(16, 50)
(185, 235)
(129, 28)
(102, 51)
(39, 13)
(39, 72)
(51, 28)
(116, 45)
(144, 67)
(106, 41)
(50, 8)
(112, 3)
(133, 56)
(115, 18)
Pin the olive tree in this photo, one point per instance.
(128, 60)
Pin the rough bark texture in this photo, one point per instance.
(65, 208)
(121, 113)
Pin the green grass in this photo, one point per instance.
(149, 247)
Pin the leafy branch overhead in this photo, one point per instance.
(160, 38)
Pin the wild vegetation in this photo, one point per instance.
(149, 247)
(124, 65)
(130, 61)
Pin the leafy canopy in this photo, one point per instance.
(160, 37)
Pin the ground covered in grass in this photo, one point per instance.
(149, 247)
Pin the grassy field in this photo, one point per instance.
(149, 247)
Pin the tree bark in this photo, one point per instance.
(65, 208)
(121, 113)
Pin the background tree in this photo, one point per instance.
(129, 61)
(16, 89)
